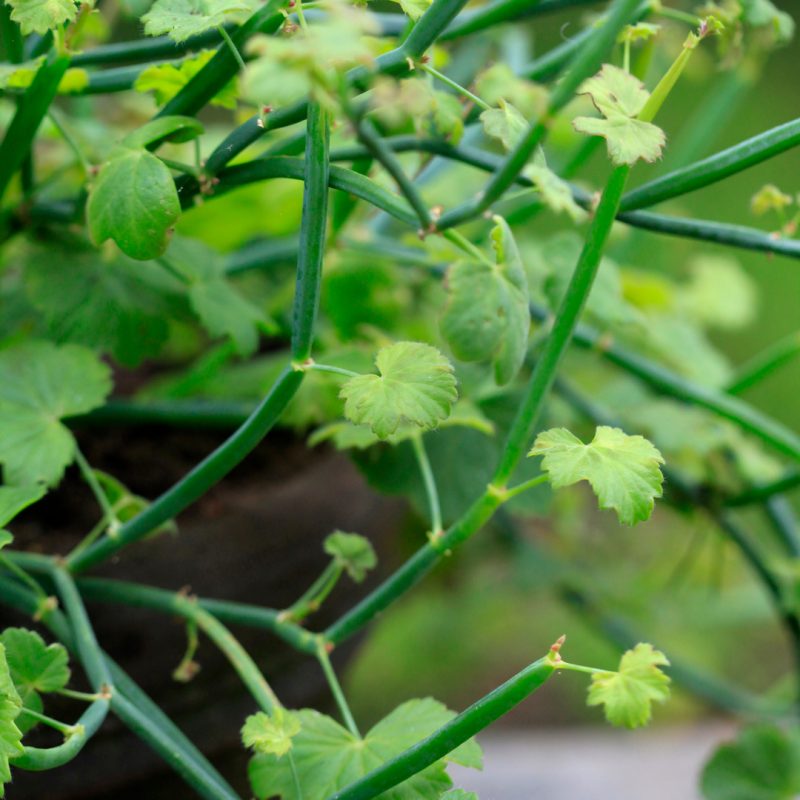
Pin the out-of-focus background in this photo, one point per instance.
(472, 625)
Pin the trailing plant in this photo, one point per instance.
(416, 317)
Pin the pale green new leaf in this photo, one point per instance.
(327, 757)
(182, 19)
(628, 694)
(487, 315)
(624, 471)
(505, 124)
(416, 385)
(620, 97)
(352, 552)
(627, 139)
(40, 384)
(271, 734)
(133, 200)
(615, 91)
(763, 763)
(41, 16)
(459, 794)
(35, 668)
(10, 734)
(14, 499)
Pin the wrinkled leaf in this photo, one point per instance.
(182, 19)
(620, 97)
(41, 16)
(624, 471)
(416, 385)
(627, 695)
(352, 552)
(271, 733)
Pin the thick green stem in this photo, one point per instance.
(563, 328)
(463, 727)
(313, 229)
(31, 110)
(715, 168)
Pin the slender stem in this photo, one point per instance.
(315, 595)
(467, 246)
(579, 668)
(24, 576)
(76, 736)
(75, 695)
(232, 47)
(387, 159)
(525, 486)
(190, 608)
(348, 373)
(97, 490)
(763, 491)
(765, 363)
(227, 611)
(454, 733)
(336, 689)
(312, 231)
(429, 481)
(457, 87)
(716, 167)
(61, 727)
(72, 142)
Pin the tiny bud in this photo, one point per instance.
(557, 645)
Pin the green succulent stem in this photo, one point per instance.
(463, 727)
